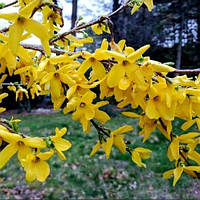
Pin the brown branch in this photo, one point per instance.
(187, 71)
(99, 20)
(55, 8)
(40, 48)
(60, 52)
(111, 27)
(100, 129)
(7, 5)
(188, 163)
(4, 124)
(3, 30)
(182, 155)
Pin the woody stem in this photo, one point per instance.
(9, 4)
(188, 163)
(99, 20)
(100, 129)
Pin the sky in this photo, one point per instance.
(88, 9)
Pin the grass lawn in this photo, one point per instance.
(81, 177)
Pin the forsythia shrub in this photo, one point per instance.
(59, 69)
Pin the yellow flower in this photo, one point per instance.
(162, 98)
(173, 149)
(55, 79)
(177, 172)
(12, 88)
(156, 66)
(18, 144)
(192, 154)
(125, 71)
(100, 115)
(105, 90)
(100, 28)
(81, 86)
(28, 75)
(12, 120)
(54, 73)
(134, 96)
(147, 125)
(148, 3)
(117, 139)
(140, 153)
(23, 3)
(98, 146)
(59, 143)
(36, 166)
(3, 77)
(85, 110)
(19, 93)
(70, 42)
(93, 60)
(51, 18)
(2, 96)
(35, 90)
(23, 22)
(7, 59)
(190, 122)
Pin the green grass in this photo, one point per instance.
(81, 177)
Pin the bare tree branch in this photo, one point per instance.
(3, 30)
(188, 71)
(7, 5)
(40, 48)
(99, 20)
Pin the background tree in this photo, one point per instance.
(172, 30)
(74, 13)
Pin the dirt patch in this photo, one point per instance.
(37, 111)
(22, 192)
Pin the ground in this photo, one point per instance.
(81, 177)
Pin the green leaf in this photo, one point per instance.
(85, 35)
(2, 5)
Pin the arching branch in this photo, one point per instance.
(100, 19)
(7, 5)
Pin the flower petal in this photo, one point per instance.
(177, 174)
(7, 153)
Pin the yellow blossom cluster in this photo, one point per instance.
(30, 151)
(71, 76)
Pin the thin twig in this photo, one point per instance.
(187, 71)
(188, 163)
(99, 20)
(55, 8)
(3, 30)
(40, 48)
(100, 129)
(2, 123)
(7, 5)
(60, 51)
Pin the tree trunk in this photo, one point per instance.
(179, 52)
(115, 4)
(74, 13)
(55, 2)
(179, 47)
(198, 24)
